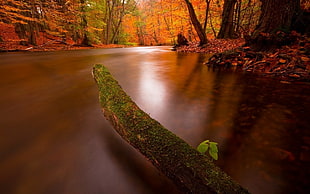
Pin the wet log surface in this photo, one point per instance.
(191, 171)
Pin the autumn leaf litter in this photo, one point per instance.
(288, 63)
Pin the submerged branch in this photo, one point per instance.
(191, 171)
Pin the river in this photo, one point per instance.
(54, 139)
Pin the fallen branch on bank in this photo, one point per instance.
(191, 171)
(49, 43)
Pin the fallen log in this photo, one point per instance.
(52, 41)
(191, 171)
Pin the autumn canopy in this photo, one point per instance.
(139, 22)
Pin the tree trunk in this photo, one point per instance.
(237, 19)
(211, 24)
(85, 39)
(227, 25)
(117, 24)
(276, 16)
(206, 15)
(200, 32)
(182, 40)
(191, 171)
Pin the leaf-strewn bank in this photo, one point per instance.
(288, 63)
(191, 171)
(11, 42)
(213, 46)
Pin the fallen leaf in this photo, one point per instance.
(282, 61)
(285, 82)
(305, 59)
(273, 55)
(294, 75)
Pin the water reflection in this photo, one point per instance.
(152, 88)
(52, 131)
(267, 137)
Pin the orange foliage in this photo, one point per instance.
(159, 21)
(145, 22)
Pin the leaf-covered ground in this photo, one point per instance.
(288, 63)
(213, 46)
(9, 41)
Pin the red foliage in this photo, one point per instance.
(10, 39)
(45, 42)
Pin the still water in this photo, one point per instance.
(53, 138)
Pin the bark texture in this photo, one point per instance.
(197, 25)
(191, 171)
(276, 16)
(182, 40)
(227, 25)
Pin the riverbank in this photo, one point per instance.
(11, 42)
(55, 45)
(289, 63)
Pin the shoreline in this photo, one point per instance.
(288, 64)
(59, 48)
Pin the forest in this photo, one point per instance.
(208, 26)
(238, 79)
(128, 22)
(137, 22)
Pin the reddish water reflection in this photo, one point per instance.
(53, 138)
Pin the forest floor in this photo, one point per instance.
(56, 46)
(290, 63)
(10, 42)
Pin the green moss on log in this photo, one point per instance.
(191, 171)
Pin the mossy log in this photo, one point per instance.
(191, 171)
